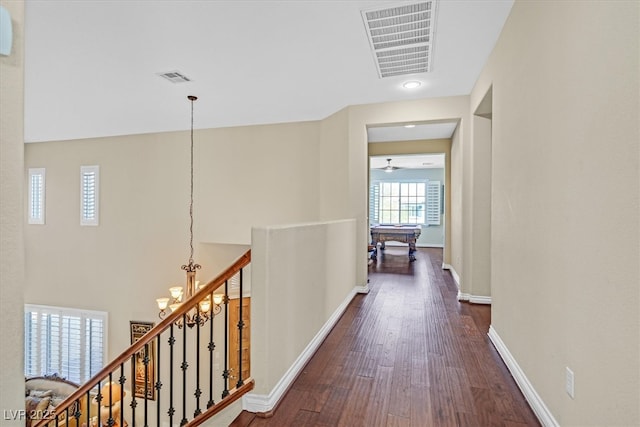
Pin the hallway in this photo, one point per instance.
(406, 354)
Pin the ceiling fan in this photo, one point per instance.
(389, 168)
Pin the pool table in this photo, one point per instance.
(396, 233)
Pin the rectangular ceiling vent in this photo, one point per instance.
(175, 77)
(401, 38)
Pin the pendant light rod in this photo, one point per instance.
(191, 98)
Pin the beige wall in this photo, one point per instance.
(256, 176)
(11, 216)
(243, 177)
(424, 110)
(564, 203)
(456, 209)
(296, 288)
(479, 276)
(333, 172)
(565, 230)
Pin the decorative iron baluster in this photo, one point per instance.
(121, 381)
(88, 406)
(197, 392)
(134, 402)
(184, 367)
(172, 341)
(158, 384)
(111, 421)
(211, 347)
(145, 362)
(225, 373)
(240, 327)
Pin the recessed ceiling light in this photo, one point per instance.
(412, 84)
(409, 126)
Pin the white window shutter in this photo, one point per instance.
(36, 195)
(374, 202)
(433, 202)
(64, 341)
(89, 195)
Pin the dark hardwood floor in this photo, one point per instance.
(406, 354)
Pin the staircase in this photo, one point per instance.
(178, 373)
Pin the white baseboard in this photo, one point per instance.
(453, 272)
(474, 299)
(261, 403)
(363, 289)
(537, 405)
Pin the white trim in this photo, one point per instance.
(479, 299)
(537, 405)
(362, 289)
(474, 299)
(261, 403)
(429, 245)
(453, 272)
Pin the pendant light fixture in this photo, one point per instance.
(200, 314)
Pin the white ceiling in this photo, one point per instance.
(91, 66)
(423, 161)
(411, 132)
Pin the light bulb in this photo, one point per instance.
(162, 303)
(217, 299)
(176, 292)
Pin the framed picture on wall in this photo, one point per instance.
(142, 373)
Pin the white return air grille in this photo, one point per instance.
(402, 38)
(175, 77)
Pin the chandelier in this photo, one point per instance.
(205, 309)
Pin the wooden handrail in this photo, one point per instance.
(127, 354)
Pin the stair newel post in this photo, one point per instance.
(225, 373)
(240, 328)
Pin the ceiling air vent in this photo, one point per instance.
(401, 37)
(175, 77)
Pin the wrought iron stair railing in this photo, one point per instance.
(185, 374)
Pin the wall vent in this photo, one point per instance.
(175, 77)
(401, 38)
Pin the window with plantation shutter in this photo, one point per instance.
(397, 202)
(433, 203)
(36, 195)
(374, 202)
(64, 341)
(89, 191)
(405, 202)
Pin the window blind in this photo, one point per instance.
(433, 203)
(64, 341)
(89, 179)
(36, 195)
